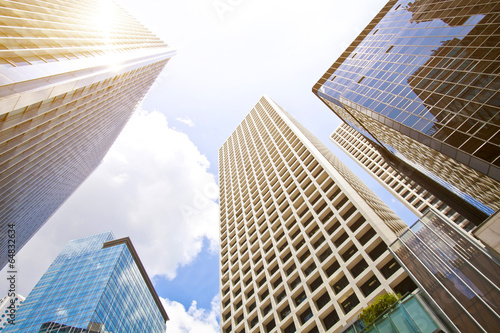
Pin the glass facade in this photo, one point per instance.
(96, 284)
(71, 74)
(429, 71)
(462, 279)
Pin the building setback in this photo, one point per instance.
(421, 82)
(71, 74)
(96, 284)
(413, 196)
(303, 240)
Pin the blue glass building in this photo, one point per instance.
(96, 284)
(422, 83)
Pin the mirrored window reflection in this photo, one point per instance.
(433, 68)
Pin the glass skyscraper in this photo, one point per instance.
(71, 74)
(96, 284)
(421, 82)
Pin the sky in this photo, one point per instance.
(158, 183)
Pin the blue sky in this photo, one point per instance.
(158, 182)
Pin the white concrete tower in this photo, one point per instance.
(303, 240)
(413, 196)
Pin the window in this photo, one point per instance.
(280, 296)
(290, 328)
(314, 330)
(319, 242)
(304, 256)
(267, 309)
(369, 286)
(332, 268)
(264, 294)
(270, 325)
(299, 299)
(377, 251)
(334, 227)
(315, 284)
(340, 239)
(348, 213)
(367, 236)
(306, 315)
(340, 284)
(285, 312)
(309, 269)
(349, 253)
(349, 303)
(295, 283)
(325, 254)
(359, 268)
(323, 300)
(357, 224)
(277, 282)
(330, 320)
(251, 307)
(390, 268)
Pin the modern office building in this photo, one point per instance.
(461, 279)
(421, 82)
(96, 284)
(413, 196)
(303, 240)
(71, 74)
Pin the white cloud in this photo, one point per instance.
(186, 121)
(152, 186)
(194, 320)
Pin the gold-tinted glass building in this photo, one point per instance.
(71, 74)
(422, 82)
(303, 240)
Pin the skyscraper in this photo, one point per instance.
(303, 240)
(413, 196)
(96, 284)
(421, 82)
(71, 74)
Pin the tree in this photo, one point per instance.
(382, 303)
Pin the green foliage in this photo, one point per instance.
(382, 303)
